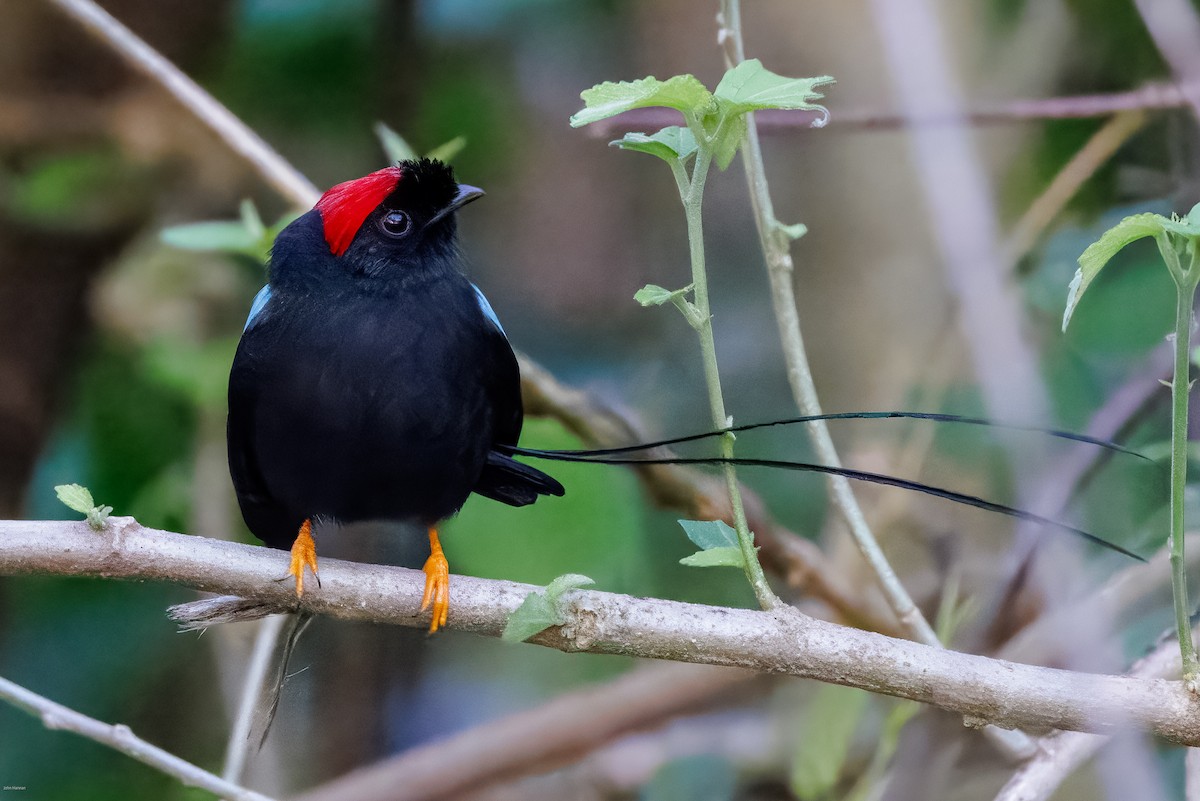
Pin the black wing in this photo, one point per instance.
(503, 478)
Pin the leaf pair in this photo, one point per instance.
(79, 499)
(714, 120)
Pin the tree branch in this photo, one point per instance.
(121, 738)
(1060, 754)
(1151, 97)
(539, 739)
(785, 642)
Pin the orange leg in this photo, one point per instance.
(437, 583)
(304, 554)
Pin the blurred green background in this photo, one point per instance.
(115, 347)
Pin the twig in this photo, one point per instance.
(277, 172)
(776, 249)
(1151, 97)
(259, 667)
(784, 642)
(1098, 150)
(536, 740)
(1060, 754)
(121, 738)
(1174, 26)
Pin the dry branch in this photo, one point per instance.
(784, 642)
(539, 739)
(121, 738)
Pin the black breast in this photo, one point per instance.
(357, 407)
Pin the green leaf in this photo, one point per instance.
(566, 583)
(702, 777)
(540, 609)
(707, 534)
(727, 138)
(393, 144)
(76, 498)
(97, 518)
(1103, 249)
(750, 86)
(251, 219)
(672, 143)
(223, 236)
(682, 92)
(655, 295)
(724, 556)
(792, 231)
(448, 150)
(827, 727)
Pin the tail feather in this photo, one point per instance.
(506, 480)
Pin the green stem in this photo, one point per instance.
(1180, 388)
(691, 192)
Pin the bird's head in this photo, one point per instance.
(397, 217)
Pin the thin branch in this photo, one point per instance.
(537, 740)
(121, 738)
(785, 642)
(276, 171)
(1174, 26)
(776, 249)
(1060, 754)
(257, 670)
(1151, 97)
(1082, 166)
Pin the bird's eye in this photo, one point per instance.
(395, 223)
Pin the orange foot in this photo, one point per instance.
(437, 583)
(304, 554)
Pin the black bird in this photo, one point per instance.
(373, 381)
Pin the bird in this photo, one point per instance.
(373, 380)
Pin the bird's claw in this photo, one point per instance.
(437, 590)
(304, 554)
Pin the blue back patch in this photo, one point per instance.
(484, 307)
(260, 301)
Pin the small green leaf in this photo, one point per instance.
(448, 150)
(750, 86)
(393, 144)
(792, 231)
(251, 219)
(723, 556)
(654, 295)
(708, 534)
(539, 610)
(682, 92)
(97, 518)
(566, 583)
(672, 143)
(1100, 252)
(76, 498)
(827, 726)
(727, 138)
(222, 236)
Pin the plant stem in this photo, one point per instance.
(691, 192)
(1180, 388)
(776, 251)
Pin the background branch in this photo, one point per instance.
(540, 739)
(121, 738)
(1151, 97)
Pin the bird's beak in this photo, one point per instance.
(465, 195)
